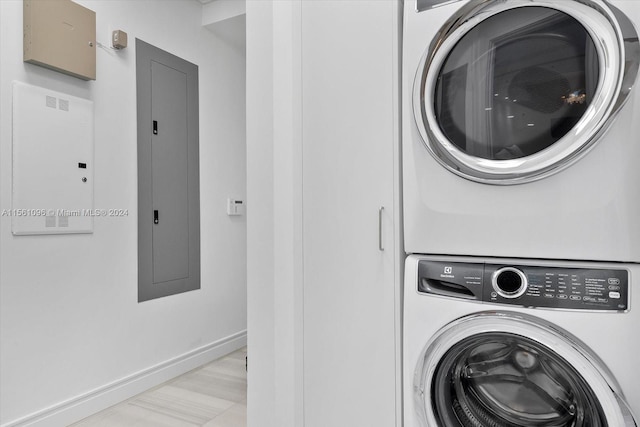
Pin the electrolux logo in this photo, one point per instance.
(448, 272)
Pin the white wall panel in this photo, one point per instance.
(52, 162)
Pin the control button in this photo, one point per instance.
(614, 295)
(562, 296)
(602, 300)
(614, 287)
(494, 294)
(613, 281)
(575, 297)
(589, 299)
(549, 296)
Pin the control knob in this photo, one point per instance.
(509, 282)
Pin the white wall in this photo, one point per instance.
(73, 337)
(274, 220)
(260, 217)
(220, 10)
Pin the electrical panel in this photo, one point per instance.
(168, 173)
(52, 170)
(60, 35)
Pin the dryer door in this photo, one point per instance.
(512, 91)
(508, 369)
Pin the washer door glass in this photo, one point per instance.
(516, 83)
(501, 379)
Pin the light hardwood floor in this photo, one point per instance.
(214, 395)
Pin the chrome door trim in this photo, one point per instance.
(616, 42)
(422, 5)
(570, 348)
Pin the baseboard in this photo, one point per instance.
(79, 407)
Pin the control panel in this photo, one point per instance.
(526, 285)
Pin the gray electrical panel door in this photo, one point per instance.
(168, 190)
(169, 173)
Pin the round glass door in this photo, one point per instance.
(507, 96)
(500, 379)
(512, 91)
(507, 369)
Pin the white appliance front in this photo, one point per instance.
(520, 129)
(475, 356)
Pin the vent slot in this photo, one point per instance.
(52, 102)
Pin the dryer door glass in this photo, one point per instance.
(502, 379)
(512, 91)
(516, 83)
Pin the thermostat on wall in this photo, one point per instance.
(234, 207)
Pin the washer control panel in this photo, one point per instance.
(527, 285)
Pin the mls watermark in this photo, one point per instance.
(65, 212)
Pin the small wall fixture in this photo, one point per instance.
(119, 39)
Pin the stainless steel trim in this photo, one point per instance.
(626, 413)
(519, 292)
(618, 52)
(570, 348)
(380, 230)
(422, 5)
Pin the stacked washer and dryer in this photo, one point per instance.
(521, 175)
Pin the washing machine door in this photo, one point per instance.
(505, 369)
(512, 91)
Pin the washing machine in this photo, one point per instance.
(492, 342)
(521, 129)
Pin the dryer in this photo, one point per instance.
(520, 343)
(520, 128)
